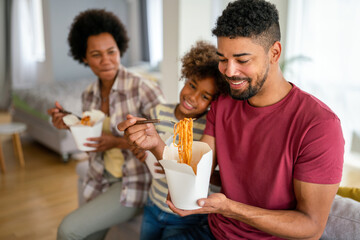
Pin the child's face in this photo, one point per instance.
(195, 97)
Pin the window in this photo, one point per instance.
(326, 32)
(155, 33)
(36, 19)
(27, 41)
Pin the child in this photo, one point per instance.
(202, 85)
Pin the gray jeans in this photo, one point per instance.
(92, 220)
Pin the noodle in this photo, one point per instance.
(184, 128)
(86, 121)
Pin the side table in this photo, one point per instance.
(13, 129)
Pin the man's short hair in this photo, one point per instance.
(256, 19)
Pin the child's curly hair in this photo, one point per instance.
(256, 19)
(202, 62)
(94, 22)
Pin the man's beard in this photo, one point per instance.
(250, 91)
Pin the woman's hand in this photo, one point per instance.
(103, 143)
(57, 116)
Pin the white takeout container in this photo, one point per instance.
(82, 132)
(186, 187)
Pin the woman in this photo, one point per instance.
(98, 39)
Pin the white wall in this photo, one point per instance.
(58, 16)
(184, 22)
(169, 67)
(282, 6)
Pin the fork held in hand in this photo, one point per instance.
(67, 112)
(152, 121)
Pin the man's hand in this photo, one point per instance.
(139, 153)
(307, 221)
(143, 136)
(215, 203)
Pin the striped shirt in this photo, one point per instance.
(159, 188)
(130, 94)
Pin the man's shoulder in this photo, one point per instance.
(311, 104)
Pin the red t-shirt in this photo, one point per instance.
(260, 150)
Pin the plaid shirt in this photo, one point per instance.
(130, 94)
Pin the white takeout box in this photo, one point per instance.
(82, 132)
(184, 186)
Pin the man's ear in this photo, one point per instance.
(85, 61)
(275, 52)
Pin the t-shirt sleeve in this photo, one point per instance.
(210, 120)
(321, 154)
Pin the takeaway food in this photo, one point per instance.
(89, 118)
(89, 126)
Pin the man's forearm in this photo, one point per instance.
(290, 224)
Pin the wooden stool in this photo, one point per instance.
(14, 129)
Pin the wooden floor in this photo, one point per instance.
(34, 199)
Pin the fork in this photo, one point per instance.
(153, 121)
(67, 112)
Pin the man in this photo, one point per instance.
(279, 149)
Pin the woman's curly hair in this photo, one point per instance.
(94, 22)
(256, 19)
(202, 62)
